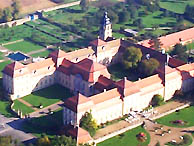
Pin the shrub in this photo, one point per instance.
(157, 100)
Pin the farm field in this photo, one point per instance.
(28, 6)
(24, 46)
(175, 6)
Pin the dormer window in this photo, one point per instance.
(20, 71)
(49, 67)
(103, 47)
(34, 71)
(88, 55)
(76, 59)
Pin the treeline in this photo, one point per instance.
(10, 13)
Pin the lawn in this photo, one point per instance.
(177, 6)
(22, 107)
(184, 115)
(190, 46)
(5, 109)
(48, 96)
(126, 139)
(118, 72)
(187, 142)
(2, 65)
(41, 54)
(24, 46)
(49, 124)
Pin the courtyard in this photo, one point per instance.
(44, 97)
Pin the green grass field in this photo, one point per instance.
(177, 6)
(5, 108)
(126, 139)
(48, 96)
(22, 107)
(184, 115)
(44, 124)
(24, 46)
(41, 54)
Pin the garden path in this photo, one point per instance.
(27, 104)
(167, 137)
(123, 124)
(45, 110)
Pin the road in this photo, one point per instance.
(12, 127)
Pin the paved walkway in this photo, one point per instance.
(154, 138)
(12, 127)
(27, 104)
(167, 137)
(45, 110)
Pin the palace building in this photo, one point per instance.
(85, 73)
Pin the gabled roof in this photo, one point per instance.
(11, 69)
(98, 42)
(74, 103)
(173, 39)
(57, 54)
(105, 96)
(127, 87)
(89, 65)
(124, 83)
(103, 83)
(81, 135)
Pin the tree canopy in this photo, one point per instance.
(88, 123)
(180, 52)
(84, 4)
(148, 66)
(56, 141)
(157, 100)
(131, 57)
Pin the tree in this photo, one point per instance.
(88, 123)
(155, 43)
(7, 15)
(63, 141)
(131, 57)
(148, 66)
(84, 4)
(124, 16)
(43, 141)
(16, 8)
(157, 100)
(1, 14)
(180, 51)
(8, 141)
(189, 12)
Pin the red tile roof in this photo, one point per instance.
(57, 54)
(103, 83)
(98, 42)
(10, 69)
(105, 96)
(173, 39)
(81, 135)
(75, 103)
(89, 65)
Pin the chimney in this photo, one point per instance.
(104, 90)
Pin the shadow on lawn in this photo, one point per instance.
(54, 92)
(49, 124)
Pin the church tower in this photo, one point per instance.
(105, 28)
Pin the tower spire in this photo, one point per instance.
(106, 27)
